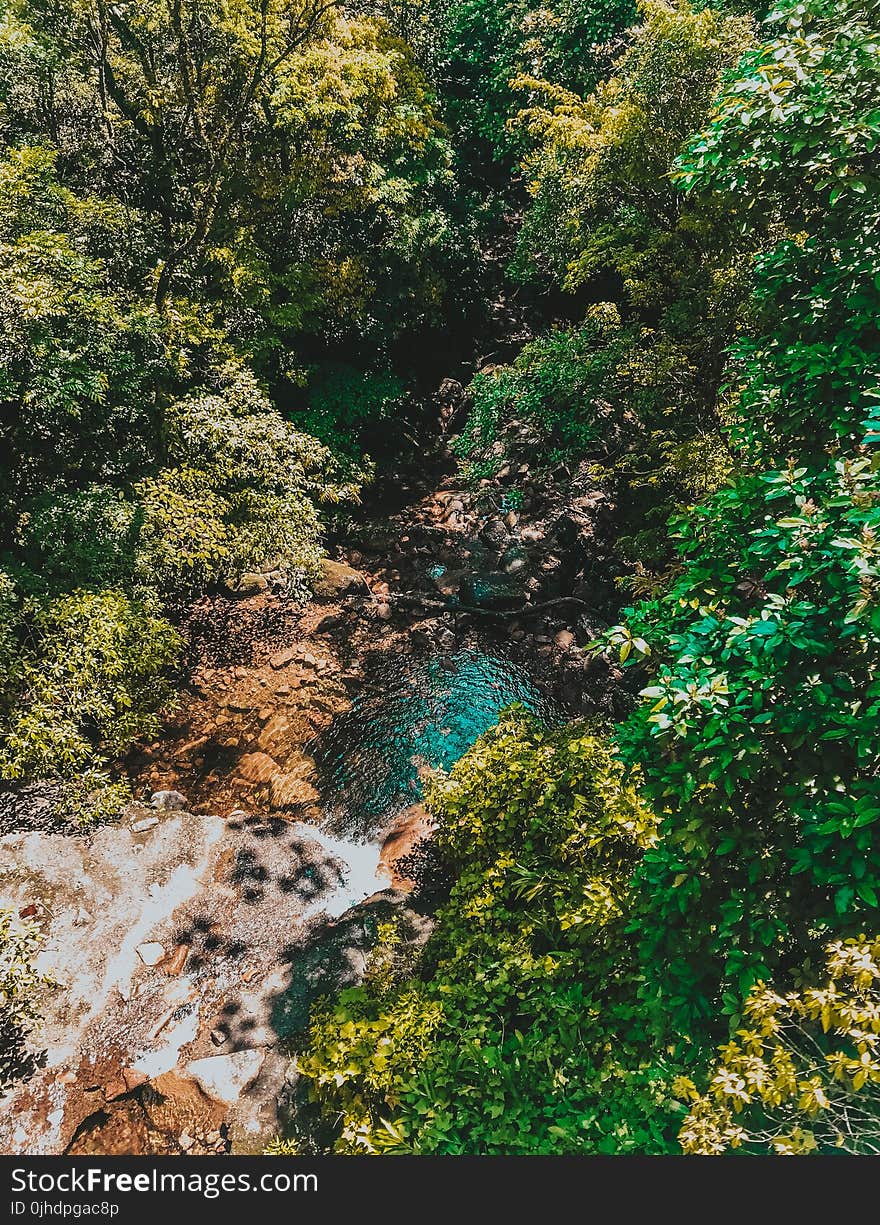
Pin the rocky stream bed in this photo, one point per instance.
(276, 811)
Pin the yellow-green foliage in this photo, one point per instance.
(243, 494)
(93, 680)
(364, 133)
(183, 541)
(517, 1035)
(599, 170)
(363, 1051)
(278, 1146)
(803, 1073)
(536, 813)
(21, 986)
(92, 797)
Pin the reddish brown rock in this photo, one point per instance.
(127, 1081)
(257, 767)
(275, 730)
(289, 791)
(174, 963)
(407, 829)
(283, 658)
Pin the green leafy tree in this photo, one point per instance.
(599, 172)
(797, 134)
(78, 363)
(172, 90)
(484, 46)
(758, 736)
(281, 159)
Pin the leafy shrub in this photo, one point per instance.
(803, 1075)
(558, 385)
(82, 538)
(593, 392)
(21, 986)
(255, 482)
(242, 497)
(10, 632)
(505, 1043)
(91, 680)
(183, 544)
(278, 1146)
(627, 401)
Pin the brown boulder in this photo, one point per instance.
(336, 580)
(276, 728)
(257, 767)
(407, 829)
(282, 658)
(127, 1081)
(290, 791)
(174, 963)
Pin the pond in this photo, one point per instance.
(414, 713)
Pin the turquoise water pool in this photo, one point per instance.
(415, 712)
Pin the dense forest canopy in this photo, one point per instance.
(238, 242)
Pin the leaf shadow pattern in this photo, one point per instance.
(261, 947)
(17, 1060)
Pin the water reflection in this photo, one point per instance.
(415, 712)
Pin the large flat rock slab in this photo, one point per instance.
(186, 949)
(99, 898)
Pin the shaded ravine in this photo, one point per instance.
(193, 939)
